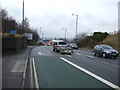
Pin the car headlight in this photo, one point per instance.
(116, 51)
(108, 51)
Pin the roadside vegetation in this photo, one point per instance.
(88, 42)
(9, 23)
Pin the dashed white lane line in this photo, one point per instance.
(68, 55)
(99, 60)
(90, 56)
(91, 74)
(79, 54)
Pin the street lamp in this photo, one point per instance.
(76, 24)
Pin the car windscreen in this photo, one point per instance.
(107, 47)
(73, 44)
(62, 43)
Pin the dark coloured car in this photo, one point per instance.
(73, 45)
(105, 51)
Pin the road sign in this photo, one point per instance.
(13, 32)
(29, 36)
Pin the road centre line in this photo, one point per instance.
(91, 74)
(35, 74)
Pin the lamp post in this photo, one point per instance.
(65, 32)
(76, 24)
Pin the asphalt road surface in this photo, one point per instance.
(79, 70)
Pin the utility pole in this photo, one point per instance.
(23, 18)
(65, 32)
(40, 34)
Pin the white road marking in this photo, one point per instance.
(90, 56)
(108, 63)
(68, 55)
(19, 66)
(48, 52)
(91, 74)
(42, 54)
(77, 53)
(35, 74)
(31, 73)
(39, 53)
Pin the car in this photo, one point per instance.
(66, 50)
(73, 45)
(105, 51)
(58, 44)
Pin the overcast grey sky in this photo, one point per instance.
(54, 15)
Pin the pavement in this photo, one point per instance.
(13, 68)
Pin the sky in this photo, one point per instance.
(54, 15)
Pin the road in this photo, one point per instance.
(55, 70)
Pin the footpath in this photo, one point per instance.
(13, 68)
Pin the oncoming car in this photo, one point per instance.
(62, 46)
(105, 51)
(73, 45)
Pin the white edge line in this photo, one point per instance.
(91, 74)
(25, 68)
(31, 73)
(35, 74)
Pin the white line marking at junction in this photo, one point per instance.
(91, 74)
(48, 51)
(35, 74)
(39, 53)
(90, 56)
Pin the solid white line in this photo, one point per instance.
(90, 56)
(91, 74)
(31, 74)
(35, 74)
